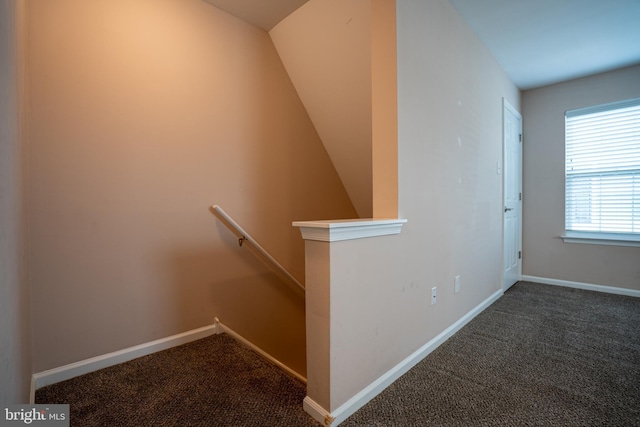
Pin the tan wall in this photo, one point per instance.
(15, 323)
(141, 115)
(545, 254)
(384, 109)
(449, 88)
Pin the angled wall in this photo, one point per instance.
(325, 46)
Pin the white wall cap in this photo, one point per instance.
(348, 229)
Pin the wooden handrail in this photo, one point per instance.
(259, 251)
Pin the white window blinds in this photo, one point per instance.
(602, 178)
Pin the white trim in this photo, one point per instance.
(364, 396)
(72, 370)
(603, 107)
(317, 411)
(585, 286)
(32, 391)
(267, 356)
(607, 239)
(348, 229)
(507, 106)
(55, 375)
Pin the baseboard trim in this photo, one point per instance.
(363, 397)
(317, 412)
(52, 376)
(32, 391)
(585, 286)
(72, 370)
(224, 328)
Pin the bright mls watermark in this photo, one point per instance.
(35, 415)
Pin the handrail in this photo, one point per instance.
(259, 251)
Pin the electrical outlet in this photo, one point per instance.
(456, 284)
(434, 294)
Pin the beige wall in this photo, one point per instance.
(450, 92)
(141, 115)
(365, 291)
(545, 254)
(352, 286)
(450, 101)
(384, 109)
(15, 324)
(341, 57)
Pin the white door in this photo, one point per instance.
(512, 195)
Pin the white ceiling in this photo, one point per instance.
(540, 42)
(537, 42)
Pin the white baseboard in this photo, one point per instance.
(224, 328)
(318, 413)
(52, 376)
(32, 391)
(363, 397)
(585, 286)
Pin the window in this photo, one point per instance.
(602, 174)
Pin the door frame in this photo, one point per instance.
(508, 107)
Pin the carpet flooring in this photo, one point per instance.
(539, 356)
(211, 382)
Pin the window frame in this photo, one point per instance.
(596, 237)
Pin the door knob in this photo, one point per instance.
(506, 209)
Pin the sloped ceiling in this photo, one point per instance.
(536, 42)
(325, 45)
(264, 14)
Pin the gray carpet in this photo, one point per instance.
(539, 356)
(210, 382)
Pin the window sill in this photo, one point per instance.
(608, 239)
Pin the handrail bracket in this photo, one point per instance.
(258, 250)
